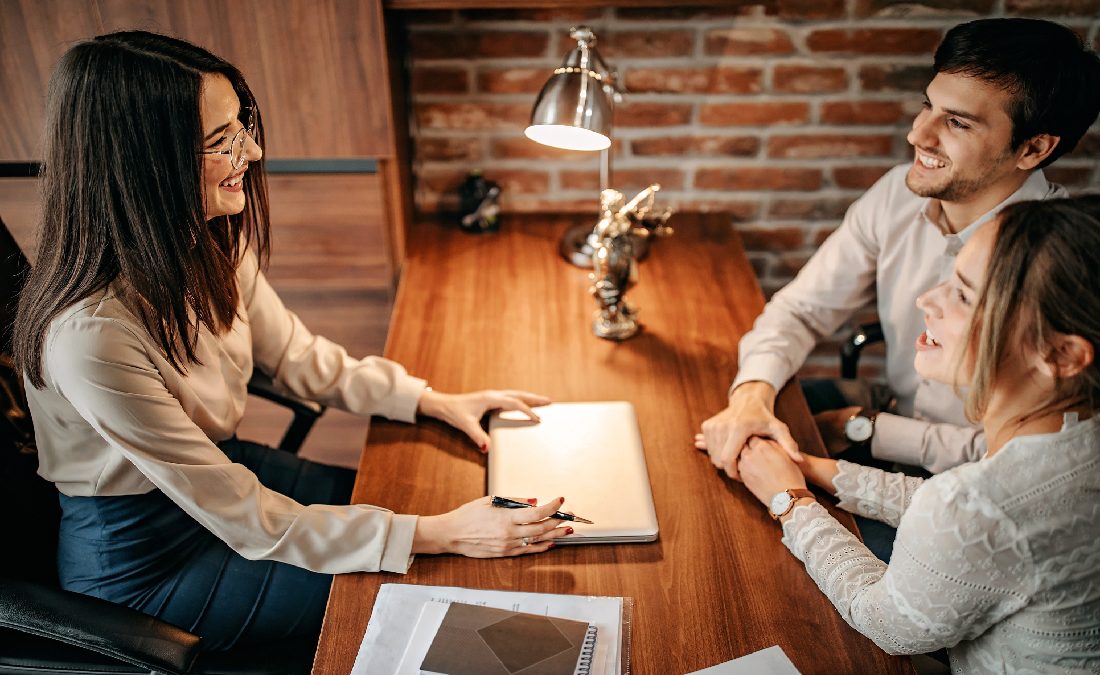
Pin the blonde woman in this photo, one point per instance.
(998, 560)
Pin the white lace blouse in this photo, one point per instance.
(998, 560)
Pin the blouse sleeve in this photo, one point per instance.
(874, 493)
(316, 369)
(104, 371)
(958, 567)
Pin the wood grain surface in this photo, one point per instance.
(539, 4)
(317, 67)
(504, 311)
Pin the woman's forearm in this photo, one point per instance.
(820, 472)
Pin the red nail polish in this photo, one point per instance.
(484, 446)
(562, 499)
(550, 546)
(532, 501)
(569, 530)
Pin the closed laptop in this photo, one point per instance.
(589, 453)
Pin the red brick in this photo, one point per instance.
(753, 178)
(822, 234)
(440, 181)
(809, 209)
(895, 78)
(738, 210)
(485, 44)
(637, 43)
(525, 148)
(652, 114)
(752, 114)
(513, 80)
(547, 14)
(875, 41)
(447, 149)
(510, 180)
(862, 112)
(520, 203)
(808, 79)
(858, 177)
(719, 80)
(624, 180)
(771, 238)
(472, 115)
(819, 147)
(696, 146)
(440, 81)
(789, 264)
(1052, 7)
(786, 9)
(748, 41)
(1070, 176)
(937, 7)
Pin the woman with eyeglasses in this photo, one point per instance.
(137, 333)
(998, 561)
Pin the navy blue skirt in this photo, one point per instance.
(145, 552)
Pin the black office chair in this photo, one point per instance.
(851, 348)
(46, 629)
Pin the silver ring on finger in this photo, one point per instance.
(526, 541)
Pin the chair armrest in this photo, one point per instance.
(869, 333)
(97, 625)
(262, 386)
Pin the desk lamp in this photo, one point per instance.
(574, 111)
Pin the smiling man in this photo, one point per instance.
(1009, 97)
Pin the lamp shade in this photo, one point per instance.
(574, 110)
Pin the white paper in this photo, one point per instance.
(431, 618)
(770, 661)
(398, 608)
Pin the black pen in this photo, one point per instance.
(505, 503)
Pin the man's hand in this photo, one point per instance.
(831, 425)
(750, 413)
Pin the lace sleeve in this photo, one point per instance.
(959, 566)
(873, 493)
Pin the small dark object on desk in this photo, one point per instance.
(505, 503)
(478, 207)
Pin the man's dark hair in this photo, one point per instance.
(1053, 77)
(122, 196)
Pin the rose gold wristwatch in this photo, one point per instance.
(784, 501)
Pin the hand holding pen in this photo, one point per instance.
(505, 503)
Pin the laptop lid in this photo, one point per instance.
(589, 453)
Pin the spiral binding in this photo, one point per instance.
(588, 653)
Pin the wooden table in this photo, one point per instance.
(504, 311)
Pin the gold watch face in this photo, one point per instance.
(780, 503)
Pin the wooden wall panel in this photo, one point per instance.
(318, 67)
(33, 36)
(18, 202)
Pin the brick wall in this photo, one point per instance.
(779, 113)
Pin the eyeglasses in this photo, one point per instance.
(236, 146)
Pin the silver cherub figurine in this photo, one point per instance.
(615, 267)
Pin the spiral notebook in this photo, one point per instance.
(461, 639)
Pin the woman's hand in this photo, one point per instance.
(480, 530)
(766, 469)
(464, 411)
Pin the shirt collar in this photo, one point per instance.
(1035, 187)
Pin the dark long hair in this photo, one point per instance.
(121, 196)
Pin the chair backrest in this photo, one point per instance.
(28, 503)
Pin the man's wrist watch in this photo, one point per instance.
(859, 428)
(784, 501)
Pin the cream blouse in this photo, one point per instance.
(997, 560)
(116, 419)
